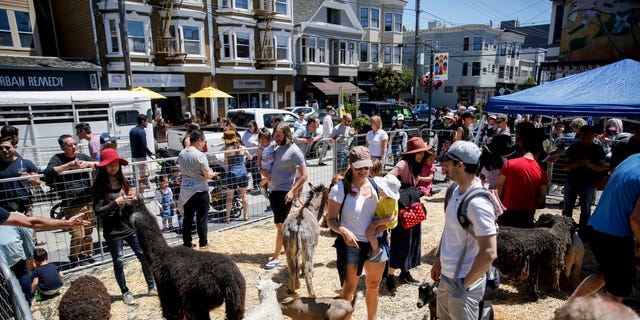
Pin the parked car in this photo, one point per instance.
(388, 111)
(422, 111)
(323, 112)
(296, 110)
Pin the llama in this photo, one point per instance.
(300, 233)
(86, 298)
(268, 309)
(190, 282)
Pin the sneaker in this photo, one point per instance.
(152, 292)
(322, 164)
(204, 248)
(407, 278)
(272, 264)
(128, 298)
(391, 284)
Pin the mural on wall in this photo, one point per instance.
(601, 30)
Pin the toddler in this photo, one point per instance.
(265, 156)
(386, 211)
(164, 199)
(425, 178)
(376, 169)
(46, 278)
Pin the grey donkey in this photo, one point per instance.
(300, 233)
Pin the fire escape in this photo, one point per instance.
(264, 18)
(167, 48)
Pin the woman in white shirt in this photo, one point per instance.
(377, 139)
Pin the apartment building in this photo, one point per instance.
(24, 42)
(481, 60)
(254, 54)
(341, 44)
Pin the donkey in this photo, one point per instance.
(300, 233)
(190, 282)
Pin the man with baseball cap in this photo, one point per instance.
(464, 257)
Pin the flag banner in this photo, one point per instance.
(441, 66)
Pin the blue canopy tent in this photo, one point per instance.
(612, 90)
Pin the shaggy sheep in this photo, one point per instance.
(86, 298)
(318, 308)
(268, 309)
(300, 233)
(190, 282)
(523, 254)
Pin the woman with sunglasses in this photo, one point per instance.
(250, 140)
(350, 215)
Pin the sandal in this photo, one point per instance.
(272, 264)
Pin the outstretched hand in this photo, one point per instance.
(77, 220)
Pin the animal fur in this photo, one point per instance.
(318, 308)
(300, 233)
(86, 298)
(268, 309)
(524, 254)
(573, 261)
(189, 282)
(428, 295)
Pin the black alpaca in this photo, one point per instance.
(190, 282)
(86, 298)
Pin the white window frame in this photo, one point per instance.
(230, 5)
(385, 22)
(286, 4)
(367, 23)
(280, 37)
(375, 58)
(352, 54)
(322, 51)
(397, 25)
(388, 55)
(397, 55)
(32, 44)
(146, 22)
(377, 19)
(231, 33)
(8, 31)
(182, 40)
(364, 52)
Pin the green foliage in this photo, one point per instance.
(387, 84)
(407, 78)
(350, 107)
(361, 124)
(530, 81)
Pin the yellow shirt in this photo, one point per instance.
(387, 207)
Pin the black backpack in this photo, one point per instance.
(492, 274)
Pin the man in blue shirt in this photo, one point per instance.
(614, 224)
(140, 151)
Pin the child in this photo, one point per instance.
(425, 178)
(386, 211)
(265, 157)
(164, 199)
(376, 169)
(46, 278)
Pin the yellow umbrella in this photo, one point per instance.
(210, 92)
(151, 93)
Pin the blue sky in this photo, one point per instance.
(459, 12)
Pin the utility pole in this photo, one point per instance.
(415, 54)
(429, 105)
(124, 44)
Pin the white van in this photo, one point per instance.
(43, 116)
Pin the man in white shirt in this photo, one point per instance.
(465, 256)
(327, 128)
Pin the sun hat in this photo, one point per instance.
(107, 137)
(400, 117)
(109, 156)
(360, 157)
(465, 151)
(471, 109)
(492, 116)
(415, 145)
(230, 136)
(449, 115)
(390, 185)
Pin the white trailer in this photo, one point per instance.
(43, 116)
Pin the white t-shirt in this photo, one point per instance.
(358, 212)
(375, 142)
(483, 219)
(327, 126)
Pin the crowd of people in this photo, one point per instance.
(364, 205)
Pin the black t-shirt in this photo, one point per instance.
(4, 215)
(594, 153)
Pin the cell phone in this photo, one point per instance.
(132, 193)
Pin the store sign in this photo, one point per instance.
(148, 80)
(29, 80)
(249, 84)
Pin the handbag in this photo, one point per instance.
(412, 215)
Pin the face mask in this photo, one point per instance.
(490, 126)
(447, 125)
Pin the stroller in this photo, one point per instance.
(219, 191)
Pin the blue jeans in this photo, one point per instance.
(571, 191)
(116, 248)
(341, 161)
(21, 271)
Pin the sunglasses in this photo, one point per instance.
(363, 168)
(71, 145)
(5, 148)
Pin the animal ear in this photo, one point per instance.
(311, 186)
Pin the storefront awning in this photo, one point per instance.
(331, 88)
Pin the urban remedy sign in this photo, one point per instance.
(27, 80)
